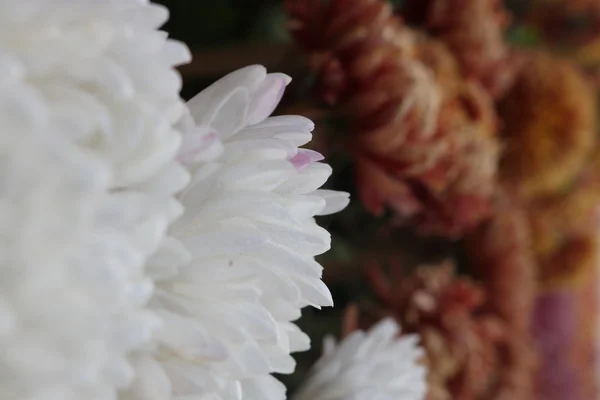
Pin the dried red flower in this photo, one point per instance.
(422, 137)
(464, 345)
(501, 257)
(535, 260)
(474, 31)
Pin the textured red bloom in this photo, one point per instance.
(464, 345)
(536, 260)
(501, 257)
(474, 31)
(423, 138)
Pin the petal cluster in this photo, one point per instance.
(250, 230)
(57, 332)
(376, 364)
(88, 103)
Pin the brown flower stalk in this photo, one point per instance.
(422, 137)
(501, 257)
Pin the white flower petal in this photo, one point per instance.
(377, 364)
(335, 201)
(307, 180)
(200, 144)
(266, 97)
(249, 228)
(263, 388)
(206, 105)
(88, 105)
(151, 382)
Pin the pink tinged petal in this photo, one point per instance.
(335, 201)
(266, 98)
(305, 157)
(204, 106)
(200, 144)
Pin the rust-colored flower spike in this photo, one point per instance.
(550, 126)
(474, 31)
(464, 345)
(501, 257)
(422, 137)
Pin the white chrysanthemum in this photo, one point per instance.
(249, 227)
(373, 365)
(94, 80)
(52, 335)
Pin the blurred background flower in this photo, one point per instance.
(376, 364)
